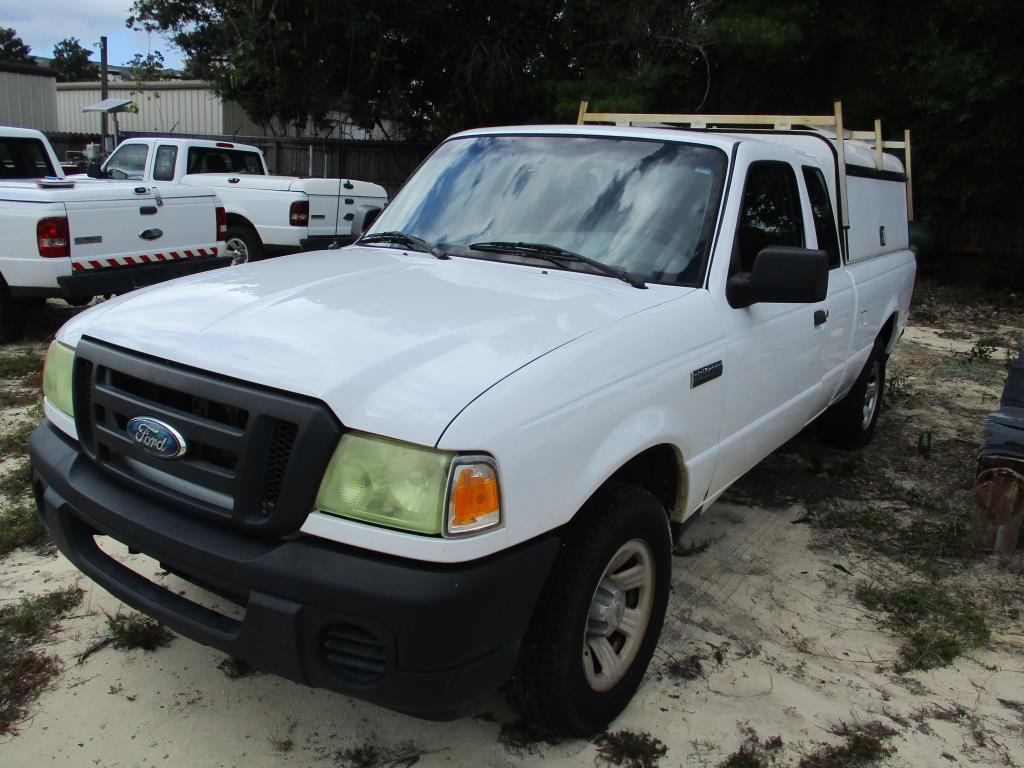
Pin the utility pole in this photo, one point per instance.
(103, 93)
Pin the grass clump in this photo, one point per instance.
(18, 481)
(755, 752)
(19, 527)
(935, 625)
(23, 671)
(633, 750)
(134, 630)
(15, 442)
(20, 365)
(235, 668)
(862, 745)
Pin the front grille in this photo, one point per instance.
(354, 654)
(254, 456)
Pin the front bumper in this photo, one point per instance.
(100, 282)
(427, 640)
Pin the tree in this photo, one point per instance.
(433, 67)
(146, 67)
(71, 62)
(13, 48)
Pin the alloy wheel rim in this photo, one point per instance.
(620, 612)
(237, 250)
(871, 393)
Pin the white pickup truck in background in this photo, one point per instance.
(453, 457)
(79, 239)
(266, 215)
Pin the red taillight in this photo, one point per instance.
(298, 214)
(53, 236)
(222, 224)
(225, 144)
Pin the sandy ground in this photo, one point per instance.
(785, 650)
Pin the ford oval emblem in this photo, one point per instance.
(156, 437)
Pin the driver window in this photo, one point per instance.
(771, 213)
(130, 160)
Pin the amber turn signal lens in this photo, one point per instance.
(474, 502)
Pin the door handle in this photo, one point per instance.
(820, 316)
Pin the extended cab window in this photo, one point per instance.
(24, 159)
(218, 160)
(163, 163)
(129, 160)
(771, 212)
(821, 212)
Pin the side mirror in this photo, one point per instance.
(781, 275)
(363, 218)
(116, 173)
(93, 170)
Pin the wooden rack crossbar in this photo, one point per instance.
(834, 121)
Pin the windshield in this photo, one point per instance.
(648, 207)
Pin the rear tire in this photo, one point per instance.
(12, 315)
(850, 423)
(597, 623)
(242, 244)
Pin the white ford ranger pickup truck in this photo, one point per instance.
(79, 239)
(447, 457)
(266, 215)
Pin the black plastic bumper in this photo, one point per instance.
(99, 282)
(428, 640)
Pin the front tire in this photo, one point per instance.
(242, 244)
(596, 626)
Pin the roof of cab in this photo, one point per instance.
(857, 152)
(9, 132)
(193, 143)
(724, 143)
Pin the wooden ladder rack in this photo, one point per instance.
(834, 121)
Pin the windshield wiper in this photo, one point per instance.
(557, 255)
(404, 238)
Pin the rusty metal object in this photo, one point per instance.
(999, 490)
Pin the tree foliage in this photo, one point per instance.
(71, 62)
(947, 69)
(13, 48)
(144, 67)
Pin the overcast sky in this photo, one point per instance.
(43, 23)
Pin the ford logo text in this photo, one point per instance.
(156, 437)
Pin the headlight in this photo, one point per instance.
(57, 377)
(409, 487)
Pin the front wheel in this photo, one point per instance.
(595, 629)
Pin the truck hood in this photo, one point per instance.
(395, 343)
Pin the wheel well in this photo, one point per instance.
(234, 218)
(886, 334)
(658, 469)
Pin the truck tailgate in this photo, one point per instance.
(333, 203)
(119, 230)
